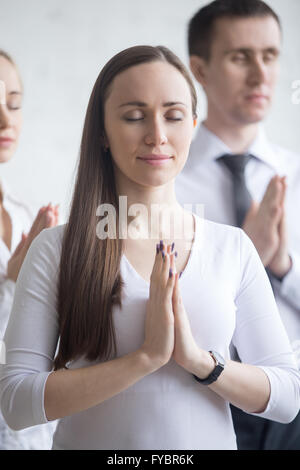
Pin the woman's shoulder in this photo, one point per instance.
(222, 237)
(49, 240)
(217, 232)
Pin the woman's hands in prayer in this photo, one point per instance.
(47, 217)
(168, 331)
(159, 328)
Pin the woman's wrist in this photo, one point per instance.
(151, 364)
(202, 365)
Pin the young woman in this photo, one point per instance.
(104, 336)
(17, 230)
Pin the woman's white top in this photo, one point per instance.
(21, 218)
(227, 296)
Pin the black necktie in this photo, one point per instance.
(236, 164)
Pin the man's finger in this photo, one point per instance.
(252, 211)
(273, 192)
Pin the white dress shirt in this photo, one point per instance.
(228, 298)
(208, 182)
(21, 218)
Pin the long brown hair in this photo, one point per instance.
(90, 283)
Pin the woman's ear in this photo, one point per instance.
(198, 68)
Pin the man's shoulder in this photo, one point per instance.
(288, 159)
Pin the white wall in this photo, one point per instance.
(60, 47)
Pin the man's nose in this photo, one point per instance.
(258, 72)
(156, 133)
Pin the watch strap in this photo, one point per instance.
(213, 376)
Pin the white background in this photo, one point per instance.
(60, 47)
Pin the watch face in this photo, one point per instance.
(219, 358)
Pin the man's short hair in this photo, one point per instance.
(201, 26)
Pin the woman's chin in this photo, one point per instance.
(5, 156)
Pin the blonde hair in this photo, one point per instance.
(12, 62)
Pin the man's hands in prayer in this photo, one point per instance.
(266, 226)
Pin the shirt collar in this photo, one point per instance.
(7, 196)
(4, 190)
(211, 147)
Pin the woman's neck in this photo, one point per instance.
(151, 212)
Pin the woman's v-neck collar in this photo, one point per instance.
(188, 265)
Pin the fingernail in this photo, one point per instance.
(163, 255)
(170, 272)
(172, 247)
(157, 249)
(161, 244)
(176, 254)
(180, 274)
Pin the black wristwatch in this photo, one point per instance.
(220, 364)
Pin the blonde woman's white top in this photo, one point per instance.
(22, 218)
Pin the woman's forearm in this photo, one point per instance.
(71, 391)
(244, 385)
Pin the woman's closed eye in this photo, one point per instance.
(14, 105)
(171, 115)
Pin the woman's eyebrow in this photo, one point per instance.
(142, 105)
(15, 93)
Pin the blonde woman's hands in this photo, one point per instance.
(47, 217)
(159, 325)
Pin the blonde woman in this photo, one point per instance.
(17, 230)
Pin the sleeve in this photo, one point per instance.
(260, 337)
(288, 288)
(7, 290)
(31, 336)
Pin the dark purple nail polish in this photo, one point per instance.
(170, 272)
(157, 249)
(172, 247)
(180, 274)
(163, 255)
(161, 244)
(176, 254)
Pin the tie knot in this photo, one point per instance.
(235, 163)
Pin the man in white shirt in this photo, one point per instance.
(238, 175)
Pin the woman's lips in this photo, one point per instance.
(5, 142)
(155, 160)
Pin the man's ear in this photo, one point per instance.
(198, 68)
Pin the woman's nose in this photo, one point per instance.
(5, 120)
(156, 133)
(4, 115)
